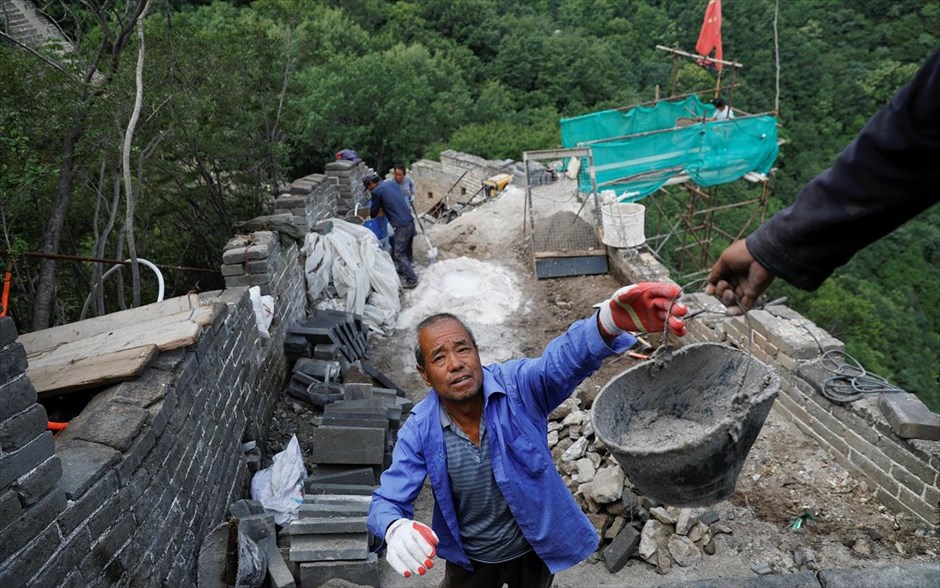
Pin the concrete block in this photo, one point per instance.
(348, 445)
(332, 510)
(83, 463)
(15, 464)
(114, 424)
(12, 361)
(359, 573)
(909, 417)
(354, 391)
(31, 523)
(328, 525)
(21, 428)
(908, 574)
(329, 547)
(34, 485)
(621, 549)
(15, 395)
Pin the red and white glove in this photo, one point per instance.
(642, 308)
(410, 547)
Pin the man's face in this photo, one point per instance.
(399, 176)
(451, 361)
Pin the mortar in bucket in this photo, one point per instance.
(681, 428)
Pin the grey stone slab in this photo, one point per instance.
(114, 424)
(30, 523)
(304, 548)
(21, 428)
(12, 361)
(912, 575)
(798, 580)
(257, 526)
(909, 417)
(245, 507)
(15, 464)
(338, 489)
(83, 463)
(326, 510)
(328, 525)
(8, 332)
(621, 549)
(356, 391)
(151, 387)
(348, 445)
(342, 475)
(35, 484)
(366, 421)
(359, 573)
(279, 574)
(15, 395)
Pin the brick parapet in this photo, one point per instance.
(903, 472)
(128, 491)
(460, 174)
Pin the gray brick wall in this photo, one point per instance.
(433, 179)
(903, 472)
(127, 492)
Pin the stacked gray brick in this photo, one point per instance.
(254, 259)
(309, 200)
(347, 179)
(133, 485)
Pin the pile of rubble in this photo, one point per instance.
(629, 525)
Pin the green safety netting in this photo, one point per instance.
(638, 151)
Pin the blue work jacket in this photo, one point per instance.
(517, 398)
(387, 197)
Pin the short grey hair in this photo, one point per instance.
(431, 321)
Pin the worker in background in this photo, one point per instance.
(347, 155)
(405, 183)
(885, 177)
(722, 110)
(501, 511)
(388, 199)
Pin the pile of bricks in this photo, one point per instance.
(309, 200)
(253, 260)
(352, 446)
(347, 178)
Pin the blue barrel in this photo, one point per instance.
(379, 226)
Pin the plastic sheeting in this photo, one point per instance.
(710, 152)
(347, 270)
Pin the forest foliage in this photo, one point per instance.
(239, 96)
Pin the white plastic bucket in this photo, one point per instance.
(623, 224)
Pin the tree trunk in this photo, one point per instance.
(45, 288)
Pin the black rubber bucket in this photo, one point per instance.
(681, 428)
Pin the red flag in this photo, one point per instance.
(710, 37)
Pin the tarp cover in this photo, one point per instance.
(674, 141)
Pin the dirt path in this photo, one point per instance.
(786, 473)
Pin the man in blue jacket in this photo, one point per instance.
(388, 198)
(502, 512)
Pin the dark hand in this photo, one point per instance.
(737, 279)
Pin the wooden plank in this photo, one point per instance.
(100, 370)
(165, 334)
(46, 339)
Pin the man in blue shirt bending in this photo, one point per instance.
(388, 198)
(502, 512)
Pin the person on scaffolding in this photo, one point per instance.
(502, 513)
(722, 110)
(388, 199)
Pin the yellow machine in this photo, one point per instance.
(496, 184)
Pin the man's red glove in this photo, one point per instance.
(410, 547)
(642, 308)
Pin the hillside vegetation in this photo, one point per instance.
(238, 96)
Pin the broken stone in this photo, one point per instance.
(686, 520)
(576, 450)
(586, 491)
(709, 548)
(575, 418)
(585, 469)
(862, 547)
(803, 556)
(709, 516)
(648, 544)
(660, 514)
(608, 484)
(554, 426)
(663, 560)
(683, 550)
(621, 549)
(761, 568)
(614, 508)
(574, 432)
(570, 404)
(552, 438)
(615, 527)
(587, 429)
(595, 459)
(698, 531)
(721, 528)
(673, 511)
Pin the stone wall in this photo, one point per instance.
(127, 492)
(905, 473)
(434, 179)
